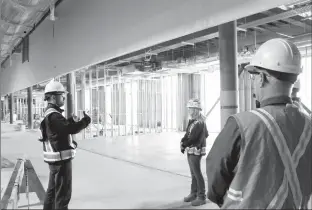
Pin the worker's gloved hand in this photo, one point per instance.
(86, 117)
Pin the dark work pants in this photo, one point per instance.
(198, 182)
(59, 189)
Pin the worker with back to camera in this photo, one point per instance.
(194, 143)
(262, 158)
(58, 146)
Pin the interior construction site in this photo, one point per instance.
(133, 66)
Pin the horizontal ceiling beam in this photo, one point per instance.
(173, 46)
(252, 24)
(291, 21)
(281, 16)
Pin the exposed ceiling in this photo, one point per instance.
(292, 21)
(18, 19)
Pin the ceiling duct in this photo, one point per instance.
(281, 16)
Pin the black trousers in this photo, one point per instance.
(59, 189)
(198, 182)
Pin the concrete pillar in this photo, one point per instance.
(91, 94)
(97, 100)
(6, 104)
(184, 93)
(17, 108)
(83, 98)
(242, 93)
(104, 103)
(195, 86)
(30, 107)
(228, 70)
(1, 106)
(11, 107)
(2, 109)
(252, 99)
(70, 86)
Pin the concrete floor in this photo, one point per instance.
(144, 171)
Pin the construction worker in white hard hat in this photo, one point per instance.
(194, 143)
(58, 146)
(262, 158)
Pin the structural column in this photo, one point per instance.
(70, 86)
(184, 92)
(2, 107)
(11, 107)
(83, 97)
(195, 86)
(228, 70)
(1, 104)
(30, 107)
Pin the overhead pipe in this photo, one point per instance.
(281, 16)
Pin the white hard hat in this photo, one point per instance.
(54, 86)
(277, 55)
(194, 103)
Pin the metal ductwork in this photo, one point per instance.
(281, 16)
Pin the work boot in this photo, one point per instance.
(190, 198)
(199, 201)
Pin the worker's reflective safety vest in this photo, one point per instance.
(199, 149)
(274, 169)
(49, 154)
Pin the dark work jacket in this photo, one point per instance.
(194, 140)
(57, 129)
(224, 155)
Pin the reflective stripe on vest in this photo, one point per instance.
(290, 162)
(48, 154)
(58, 156)
(195, 151)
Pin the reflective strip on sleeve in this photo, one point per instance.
(235, 195)
(290, 161)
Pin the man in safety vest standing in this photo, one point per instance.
(58, 146)
(262, 158)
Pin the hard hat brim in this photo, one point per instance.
(62, 92)
(250, 68)
(194, 107)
